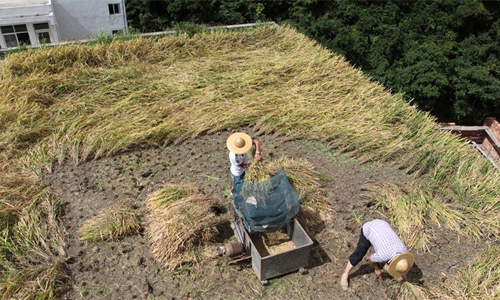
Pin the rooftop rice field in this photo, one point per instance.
(88, 101)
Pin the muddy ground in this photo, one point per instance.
(126, 269)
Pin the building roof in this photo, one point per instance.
(22, 3)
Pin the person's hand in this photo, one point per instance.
(257, 157)
(375, 266)
(403, 276)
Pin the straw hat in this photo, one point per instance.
(400, 264)
(239, 143)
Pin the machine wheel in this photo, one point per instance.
(264, 282)
(303, 271)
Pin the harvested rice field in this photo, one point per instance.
(114, 172)
(127, 269)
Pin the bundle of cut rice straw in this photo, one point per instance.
(181, 220)
(111, 223)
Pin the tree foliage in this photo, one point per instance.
(442, 55)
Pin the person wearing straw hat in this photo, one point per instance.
(390, 251)
(239, 143)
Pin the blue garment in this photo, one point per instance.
(237, 179)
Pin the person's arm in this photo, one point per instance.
(257, 156)
(239, 161)
(375, 266)
(245, 166)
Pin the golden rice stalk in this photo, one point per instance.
(87, 101)
(46, 281)
(170, 194)
(481, 279)
(179, 228)
(258, 172)
(299, 172)
(478, 280)
(16, 190)
(409, 291)
(310, 219)
(111, 223)
(408, 210)
(301, 175)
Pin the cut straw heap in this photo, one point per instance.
(314, 208)
(180, 219)
(111, 223)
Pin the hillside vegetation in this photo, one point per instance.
(83, 102)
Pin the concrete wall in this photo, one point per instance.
(39, 11)
(69, 20)
(28, 11)
(85, 19)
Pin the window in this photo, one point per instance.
(41, 26)
(43, 37)
(42, 32)
(15, 35)
(114, 8)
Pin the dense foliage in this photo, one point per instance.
(443, 55)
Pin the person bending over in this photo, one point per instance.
(389, 250)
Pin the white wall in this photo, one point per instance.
(28, 12)
(84, 19)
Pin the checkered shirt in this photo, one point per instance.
(384, 240)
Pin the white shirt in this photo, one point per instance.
(385, 241)
(236, 160)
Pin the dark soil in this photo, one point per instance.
(126, 269)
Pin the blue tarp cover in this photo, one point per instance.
(266, 206)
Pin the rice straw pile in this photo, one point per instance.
(314, 208)
(111, 223)
(180, 221)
